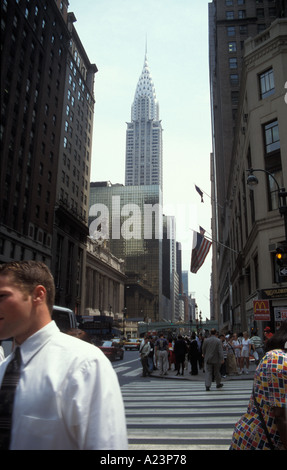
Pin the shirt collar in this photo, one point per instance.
(34, 343)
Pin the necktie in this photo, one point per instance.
(7, 393)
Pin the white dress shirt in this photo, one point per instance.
(2, 355)
(68, 396)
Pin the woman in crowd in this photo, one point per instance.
(237, 349)
(231, 367)
(245, 353)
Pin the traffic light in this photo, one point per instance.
(281, 256)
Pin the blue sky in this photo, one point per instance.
(114, 34)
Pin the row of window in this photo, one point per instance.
(230, 3)
(260, 13)
(14, 251)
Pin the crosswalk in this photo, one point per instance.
(182, 415)
(127, 368)
(128, 372)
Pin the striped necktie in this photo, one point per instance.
(7, 393)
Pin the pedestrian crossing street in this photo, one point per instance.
(170, 414)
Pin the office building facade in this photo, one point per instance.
(33, 62)
(128, 219)
(231, 23)
(47, 107)
(73, 182)
(256, 227)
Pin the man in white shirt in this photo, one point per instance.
(68, 396)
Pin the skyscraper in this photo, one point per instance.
(144, 135)
(47, 107)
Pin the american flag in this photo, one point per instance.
(200, 250)
(199, 192)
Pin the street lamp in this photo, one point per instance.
(253, 181)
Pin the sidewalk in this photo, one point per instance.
(171, 375)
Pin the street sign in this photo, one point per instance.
(280, 313)
(261, 310)
(283, 272)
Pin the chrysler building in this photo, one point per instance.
(144, 135)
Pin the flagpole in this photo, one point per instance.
(217, 242)
(211, 198)
(222, 244)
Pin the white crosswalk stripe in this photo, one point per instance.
(167, 414)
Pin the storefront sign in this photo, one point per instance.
(280, 293)
(261, 310)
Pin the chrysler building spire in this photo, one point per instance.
(144, 135)
(145, 89)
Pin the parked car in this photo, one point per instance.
(133, 343)
(113, 350)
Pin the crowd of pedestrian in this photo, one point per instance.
(264, 425)
(185, 354)
(173, 354)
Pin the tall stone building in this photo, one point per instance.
(231, 24)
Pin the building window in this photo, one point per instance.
(234, 79)
(243, 29)
(266, 82)
(242, 14)
(273, 162)
(272, 141)
(233, 63)
(234, 98)
(260, 12)
(230, 15)
(230, 31)
(232, 46)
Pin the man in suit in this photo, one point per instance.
(212, 352)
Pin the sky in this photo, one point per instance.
(115, 34)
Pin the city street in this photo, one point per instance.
(165, 413)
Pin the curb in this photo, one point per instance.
(171, 375)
